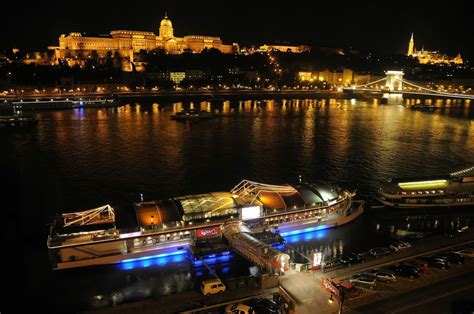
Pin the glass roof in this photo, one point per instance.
(212, 203)
(305, 194)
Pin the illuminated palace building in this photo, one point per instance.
(431, 57)
(75, 46)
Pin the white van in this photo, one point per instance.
(212, 286)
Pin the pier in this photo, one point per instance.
(241, 239)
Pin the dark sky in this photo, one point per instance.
(382, 28)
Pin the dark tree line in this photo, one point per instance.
(219, 68)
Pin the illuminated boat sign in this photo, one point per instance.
(130, 235)
(251, 212)
(208, 232)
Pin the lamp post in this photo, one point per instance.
(322, 263)
(341, 300)
(330, 300)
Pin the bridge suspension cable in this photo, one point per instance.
(425, 91)
(370, 83)
(432, 90)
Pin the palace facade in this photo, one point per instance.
(74, 46)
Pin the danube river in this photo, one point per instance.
(83, 158)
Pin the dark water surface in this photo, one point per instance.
(85, 158)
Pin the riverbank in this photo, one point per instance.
(35, 101)
(169, 93)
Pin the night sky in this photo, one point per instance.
(367, 27)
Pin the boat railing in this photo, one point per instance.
(103, 214)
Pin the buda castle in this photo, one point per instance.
(76, 46)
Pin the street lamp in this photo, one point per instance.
(331, 300)
(340, 299)
(342, 295)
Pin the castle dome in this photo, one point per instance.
(166, 27)
(166, 22)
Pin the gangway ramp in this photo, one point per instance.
(241, 239)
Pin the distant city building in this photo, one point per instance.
(195, 75)
(344, 77)
(332, 51)
(177, 77)
(38, 58)
(126, 42)
(431, 57)
(285, 48)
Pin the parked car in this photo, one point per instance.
(421, 265)
(400, 245)
(465, 252)
(451, 233)
(383, 275)
(436, 261)
(238, 309)
(351, 259)
(364, 279)
(212, 286)
(405, 271)
(379, 251)
(452, 258)
(331, 263)
(462, 307)
(349, 289)
(264, 306)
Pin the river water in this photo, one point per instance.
(83, 158)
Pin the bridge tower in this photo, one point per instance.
(394, 81)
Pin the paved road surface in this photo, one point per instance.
(436, 298)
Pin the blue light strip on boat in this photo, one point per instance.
(154, 256)
(214, 258)
(289, 233)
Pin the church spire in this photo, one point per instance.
(411, 46)
(166, 16)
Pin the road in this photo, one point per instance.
(435, 298)
(421, 247)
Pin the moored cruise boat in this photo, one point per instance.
(455, 189)
(106, 235)
(17, 121)
(63, 103)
